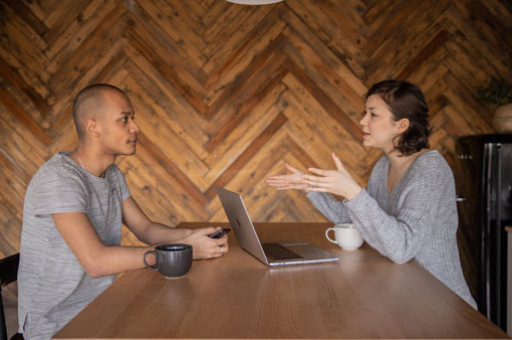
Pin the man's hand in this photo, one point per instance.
(205, 247)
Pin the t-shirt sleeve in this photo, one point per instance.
(60, 192)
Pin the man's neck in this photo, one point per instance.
(92, 162)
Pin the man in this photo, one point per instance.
(73, 211)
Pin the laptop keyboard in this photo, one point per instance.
(275, 251)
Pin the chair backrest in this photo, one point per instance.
(8, 274)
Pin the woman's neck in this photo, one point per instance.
(398, 166)
(398, 160)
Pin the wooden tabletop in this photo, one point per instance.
(364, 295)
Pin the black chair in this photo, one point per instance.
(8, 274)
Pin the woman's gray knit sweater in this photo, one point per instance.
(417, 220)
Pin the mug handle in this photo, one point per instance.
(146, 263)
(327, 235)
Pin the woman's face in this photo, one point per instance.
(379, 129)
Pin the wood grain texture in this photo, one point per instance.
(225, 94)
(363, 296)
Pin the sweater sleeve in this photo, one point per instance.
(330, 207)
(334, 210)
(422, 202)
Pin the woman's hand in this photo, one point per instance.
(205, 247)
(288, 181)
(338, 182)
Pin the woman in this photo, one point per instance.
(408, 210)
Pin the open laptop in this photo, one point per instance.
(271, 253)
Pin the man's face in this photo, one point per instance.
(117, 128)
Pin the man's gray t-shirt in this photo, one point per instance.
(52, 285)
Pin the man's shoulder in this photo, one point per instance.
(114, 174)
(58, 161)
(114, 169)
(56, 169)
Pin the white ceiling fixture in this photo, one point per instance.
(254, 2)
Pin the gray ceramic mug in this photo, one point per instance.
(172, 260)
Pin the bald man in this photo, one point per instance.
(73, 211)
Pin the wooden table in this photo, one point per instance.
(236, 297)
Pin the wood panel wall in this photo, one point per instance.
(225, 93)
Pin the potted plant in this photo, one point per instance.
(498, 93)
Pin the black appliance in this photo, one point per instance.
(483, 176)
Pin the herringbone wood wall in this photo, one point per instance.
(225, 94)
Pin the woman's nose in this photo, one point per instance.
(363, 120)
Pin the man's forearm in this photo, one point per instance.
(157, 233)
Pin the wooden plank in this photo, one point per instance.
(78, 30)
(187, 87)
(249, 129)
(154, 91)
(233, 89)
(248, 153)
(22, 86)
(28, 16)
(423, 55)
(266, 79)
(163, 161)
(336, 112)
(415, 32)
(338, 83)
(24, 118)
(479, 37)
(258, 39)
(164, 17)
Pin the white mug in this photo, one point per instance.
(346, 236)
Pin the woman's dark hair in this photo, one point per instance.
(406, 100)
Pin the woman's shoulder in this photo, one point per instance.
(381, 166)
(432, 162)
(382, 162)
(431, 157)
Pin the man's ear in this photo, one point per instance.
(403, 125)
(91, 127)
